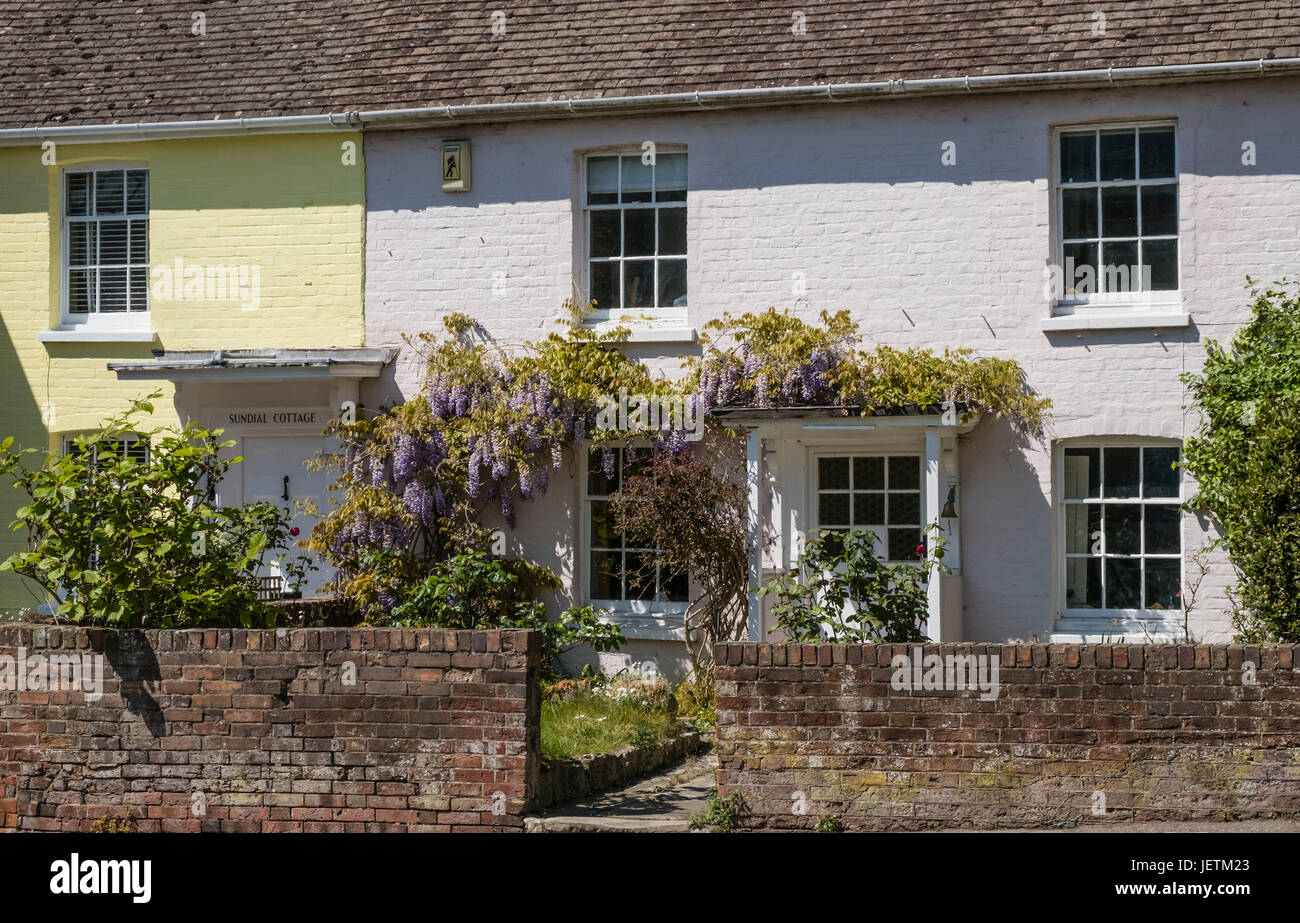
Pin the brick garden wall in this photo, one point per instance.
(224, 730)
(1076, 733)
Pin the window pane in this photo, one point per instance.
(605, 233)
(602, 180)
(636, 179)
(112, 241)
(1082, 522)
(833, 474)
(139, 288)
(1121, 472)
(81, 243)
(904, 509)
(1162, 589)
(639, 232)
(81, 291)
(1159, 210)
(604, 284)
(1156, 151)
(1118, 155)
(672, 283)
(1120, 271)
(903, 544)
(1079, 212)
(598, 484)
(670, 177)
(1080, 269)
(1123, 583)
(603, 533)
(869, 473)
(78, 185)
(109, 193)
(833, 509)
(139, 242)
(672, 231)
(1082, 473)
(1123, 528)
(1162, 530)
(1079, 158)
(639, 575)
(1083, 583)
(904, 472)
(606, 582)
(675, 588)
(868, 509)
(1159, 476)
(639, 284)
(1119, 211)
(112, 290)
(137, 192)
(1160, 262)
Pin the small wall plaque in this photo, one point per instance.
(455, 166)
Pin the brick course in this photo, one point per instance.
(260, 724)
(1162, 732)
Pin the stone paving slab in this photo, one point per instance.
(661, 803)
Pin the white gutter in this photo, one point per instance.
(665, 102)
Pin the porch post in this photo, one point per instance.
(933, 504)
(753, 456)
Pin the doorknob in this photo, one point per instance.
(286, 487)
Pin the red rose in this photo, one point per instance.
(920, 549)
(293, 531)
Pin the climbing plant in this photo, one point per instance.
(775, 359)
(1245, 457)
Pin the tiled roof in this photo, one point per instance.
(102, 61)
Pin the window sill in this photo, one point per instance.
(1109, 320)
(96, 335)
(646, 626)
(649, 333)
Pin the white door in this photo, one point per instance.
(274, 472)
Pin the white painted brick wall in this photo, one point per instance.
(855, 197)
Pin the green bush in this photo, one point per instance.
(134, 543)
(1245, 457)
(848, 595)
(476, 590)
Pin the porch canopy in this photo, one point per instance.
(783, 446)
(273, 405)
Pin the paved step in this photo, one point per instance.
(661, 803)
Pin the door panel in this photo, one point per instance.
(268, 461)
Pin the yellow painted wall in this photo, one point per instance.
(288, 205)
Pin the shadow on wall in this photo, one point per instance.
(21, 418)
(1004, 506)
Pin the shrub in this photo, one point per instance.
(1245, 457)
(693, 515)
(134, 542)
(475, 590)
(847, 594)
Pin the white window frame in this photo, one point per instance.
(660, 316)
(126, 322)
(1158, 302)
(1119, 624)
(882, 532)
(655, 619)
